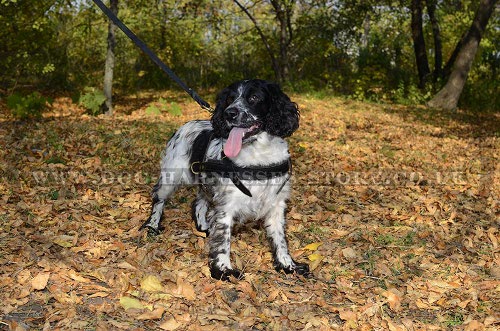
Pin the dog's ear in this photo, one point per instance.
(218, 123)
(283, 116)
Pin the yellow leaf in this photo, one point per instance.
(314, 257)
(129, 303)
(315, 264)
(40, 281)
(303, 145)
(151, 284)
(313, 246)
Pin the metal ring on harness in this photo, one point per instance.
(192, 170)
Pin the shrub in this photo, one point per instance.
(161, 105)
(410, 94)
(174, 109)
(92, 100)
(28, 106)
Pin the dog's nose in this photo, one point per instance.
(231, 114)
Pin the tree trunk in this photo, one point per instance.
(162, 7)
(366, 32)
(110, 62)
(284, 12)
(419, 43)
(436, 34)
(449, 95)
(453, 57)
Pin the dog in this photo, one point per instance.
(241, 164)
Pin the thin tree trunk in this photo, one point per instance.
(436, 34)
(419, 43)
(110, 62)
(366, 31)
(448, 96)
(284, 12)
(163, 24)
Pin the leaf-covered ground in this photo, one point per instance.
(396, 209)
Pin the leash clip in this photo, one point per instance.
(207, 108)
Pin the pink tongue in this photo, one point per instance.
(234, 141)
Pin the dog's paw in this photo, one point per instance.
(225, 274)
(298, 268)
(152, 232)
(302, 269)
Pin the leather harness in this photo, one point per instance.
(228, 169)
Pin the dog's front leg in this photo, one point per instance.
(219, 241)
(275, 228)
(199, 210)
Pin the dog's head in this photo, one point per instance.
(248, 107)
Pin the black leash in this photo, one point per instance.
(139, 43)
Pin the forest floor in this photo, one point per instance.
(395, 208)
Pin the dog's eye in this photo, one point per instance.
(253, 98)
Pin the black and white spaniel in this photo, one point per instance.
(241, 164)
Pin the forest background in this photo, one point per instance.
(382, 51)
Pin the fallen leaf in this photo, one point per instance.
(421, 304)
(99, 295)
(126, 265)
(16, 326)
(64, 241)
(151, 284)
(393, 299)
(314, 257)
(170, 325)
(23, 276)
(316, 262)
(130, 303)
(349, 317)
(40, 281)
(313, 246)
(493, 237)
(152, 315)
(394, 327)
(349, 253)
(474, 326)
(73, 275)
(185, 290)
(219, 317)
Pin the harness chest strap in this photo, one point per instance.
(228, 169)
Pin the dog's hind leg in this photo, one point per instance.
(199, 210)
